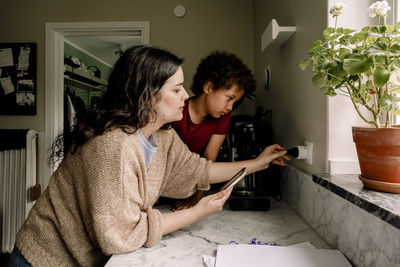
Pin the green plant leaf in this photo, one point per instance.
(316, 50)
(328, 90)
(388, 102)
(328, 31)
(389, 28)
(305, 64)
(395, 50)
(343, 52)
(366, 29)
(382, 29)
(353, 78)
(344, 39)
(381, 76)
(316, 47)
(316, 43)
(320, 80)
(375, 29)
(395, 75)
(384, 39)
(333, 39)
(325, 63)
(380, 60)
(371, 40)
(337, 75)
(347, 31)
(336, 82)
(396, 63)
(380, 48)
(359, 37)
(354, 64)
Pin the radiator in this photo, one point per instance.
(18, 177)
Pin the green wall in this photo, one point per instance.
(87, 60)
(70, 51)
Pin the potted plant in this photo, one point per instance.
(365, 66)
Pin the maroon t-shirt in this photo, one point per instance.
(196, 136)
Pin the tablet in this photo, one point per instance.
(235, 179)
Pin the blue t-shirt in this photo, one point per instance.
(149, 148)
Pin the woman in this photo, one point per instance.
(221, 81)
(119, 159)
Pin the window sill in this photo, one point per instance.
(385, 206)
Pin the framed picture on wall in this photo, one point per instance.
(18, 92)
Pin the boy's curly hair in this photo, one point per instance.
(224, 70)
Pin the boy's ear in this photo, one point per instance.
(207, 87)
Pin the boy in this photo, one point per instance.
(220, 83)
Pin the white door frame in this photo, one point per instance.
(54, 70)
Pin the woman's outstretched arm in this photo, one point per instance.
(223, 171)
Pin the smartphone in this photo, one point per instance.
(235, 179)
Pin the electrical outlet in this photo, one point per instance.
(310, 147)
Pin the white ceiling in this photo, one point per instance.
(104, 47)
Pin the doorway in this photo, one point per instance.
(54, 71)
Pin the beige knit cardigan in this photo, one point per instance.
(99, 200)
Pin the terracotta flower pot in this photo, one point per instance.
(378, 151)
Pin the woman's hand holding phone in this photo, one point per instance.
(212, 203)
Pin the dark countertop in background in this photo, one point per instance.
(386, 206)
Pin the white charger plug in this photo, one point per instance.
(298, 152)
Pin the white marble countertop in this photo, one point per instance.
(185, 247)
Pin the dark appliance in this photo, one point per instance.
(248, 136)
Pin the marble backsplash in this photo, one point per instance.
(366, 240)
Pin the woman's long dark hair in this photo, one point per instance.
(132, 91)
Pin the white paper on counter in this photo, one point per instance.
(278, 256)
(209, 261)
(303, 245)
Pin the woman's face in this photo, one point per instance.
(220, 101)
(172, 100)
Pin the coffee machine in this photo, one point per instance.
(248, 136)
